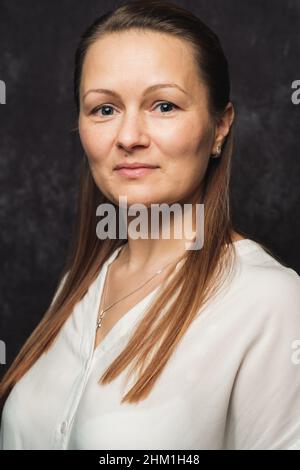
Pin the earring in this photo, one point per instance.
(217, 154)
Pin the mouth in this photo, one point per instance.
(135, 172)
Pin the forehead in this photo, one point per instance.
(138, 58)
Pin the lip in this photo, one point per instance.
(135, 172)
(134, 165)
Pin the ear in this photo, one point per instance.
(223, 126)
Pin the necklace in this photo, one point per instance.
(103, 310)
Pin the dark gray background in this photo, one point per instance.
(40, 155)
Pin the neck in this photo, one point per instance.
(148, 254)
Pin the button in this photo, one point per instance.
(63, 427)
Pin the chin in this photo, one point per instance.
(136, 198)
(145, 201)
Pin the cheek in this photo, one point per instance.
(188, 151)
(188, 174)
(94, 146)
(188, 137)
(188, 158)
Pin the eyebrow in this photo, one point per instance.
(148, 90)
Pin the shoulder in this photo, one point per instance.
(261, 280)
(264, 270)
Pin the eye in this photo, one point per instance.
(166, 103)
(107, 107)
(104, 106)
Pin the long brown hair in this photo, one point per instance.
(203, 271)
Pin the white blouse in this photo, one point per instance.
(232, 383)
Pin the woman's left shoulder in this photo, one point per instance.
(263, 280)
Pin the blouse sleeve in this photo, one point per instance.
(264, 408)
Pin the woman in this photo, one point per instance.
(204, 335)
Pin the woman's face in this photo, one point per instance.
(168, 127)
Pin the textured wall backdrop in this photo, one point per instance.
(40, 156)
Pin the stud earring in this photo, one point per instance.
(217, 154)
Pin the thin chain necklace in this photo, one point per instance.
(103, 310)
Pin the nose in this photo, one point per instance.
(132, 132)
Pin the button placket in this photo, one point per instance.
(63, 427)
(78, 389)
